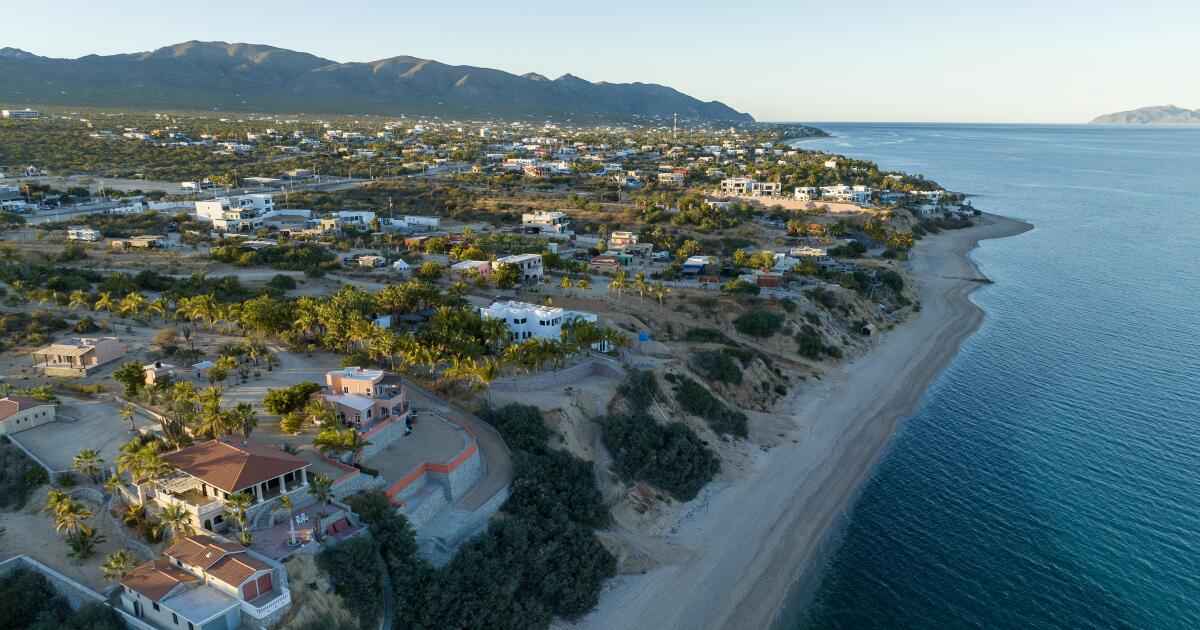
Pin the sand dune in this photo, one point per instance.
(760, 531)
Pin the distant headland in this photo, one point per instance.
(1157, 115)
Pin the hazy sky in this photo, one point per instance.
(869, 60)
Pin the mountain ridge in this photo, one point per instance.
(1155, 115)
(255, 77)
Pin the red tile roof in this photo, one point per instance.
(233, 464)
(156, 579)
(224, 561)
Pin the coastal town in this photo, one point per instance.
(272, 371)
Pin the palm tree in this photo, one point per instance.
(83, 544)
(285, 505)
(113, 485)
(126, 413)
(133, 305)
(320, 412)
(78, 298)
(104, 302)
(212, 422)
(87, 462)
(495, 333)
(117, 565)
(321, 489)
(238, 503)
(160, 307)
(618, 284)
(255, 349)
(243, 419)
(70, 518)
(177, 519)
(55, 500)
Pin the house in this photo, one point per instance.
(206, 583)
(371, 261)
(545, 221)
(605, 263)
(363, 397)
(83, 234)
(671, 179)
(207, 473)
(747, 187)
(18, 413)
(696, 265)
(806, 193)
(618, 239)
(231, 216)
(530, 265)
(355, 218)
(415, 223)
(468, 267)
(78, 356)
(157, 372)
(527, 321)
(149, 241)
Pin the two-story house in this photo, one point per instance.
(206, 583)
(364, 397)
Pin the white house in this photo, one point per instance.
(359, 218)
(526, 321)
(545, 221)
(83, 234)
(20, 113)
(806, 193)
(670, 179)
(529, 264)
(231, 216)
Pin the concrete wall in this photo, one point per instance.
(550, 380)
(382, 436)
(27, 419)
(459, 480)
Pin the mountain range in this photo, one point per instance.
(1158, 115)
(249, 77)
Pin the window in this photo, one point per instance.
(174, 618)
(155, 605)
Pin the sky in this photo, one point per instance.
(1042, 61)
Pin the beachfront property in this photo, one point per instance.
(530, 265)
(77, 356)
(83, 234)
(206, 583)
(363, 398)
(241, 214)
(527, 321)
(18, 413)
(207, 473)
(540, 221)
(853, 194)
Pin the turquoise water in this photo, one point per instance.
(1051, 476)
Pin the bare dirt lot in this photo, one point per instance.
(80, 424)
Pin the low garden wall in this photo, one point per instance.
(558, 378)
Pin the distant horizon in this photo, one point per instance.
(1024, 62)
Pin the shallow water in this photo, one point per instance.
(1051, 476)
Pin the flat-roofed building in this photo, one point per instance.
(18, 413)
(530, 265)
(77, 356)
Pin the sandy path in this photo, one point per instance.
(757, 531)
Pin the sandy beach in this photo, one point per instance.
(745, 547)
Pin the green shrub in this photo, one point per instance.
(352, 568)
(521, 426)
(740, 287)
(717, 365)
(758, 323)
(285, 400)
(707, 335)
(698, 401)
(670, 457)
(19, 476)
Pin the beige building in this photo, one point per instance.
(78, 356)
(18, 413)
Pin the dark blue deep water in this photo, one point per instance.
(1051, 476)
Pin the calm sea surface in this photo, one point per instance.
(1051, 476)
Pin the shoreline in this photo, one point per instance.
(760, 535)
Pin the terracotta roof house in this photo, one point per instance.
(206, 583)
(78, 356)
(18, 413)
(207, 473)
(363, 398)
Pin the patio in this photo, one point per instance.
(273, 541)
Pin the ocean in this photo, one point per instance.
(1050, 478)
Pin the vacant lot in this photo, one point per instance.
(81, 424)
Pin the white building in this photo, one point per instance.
(359, 218)
(242, 214)
(670, 179)
(529, 264)
(83, 234)
(526, 321)
(551, 221)
(20, 113)
(807, 193)
(747, 187)
(619, 239)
